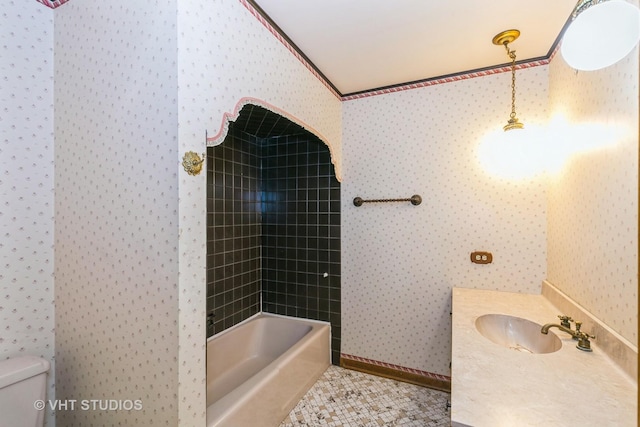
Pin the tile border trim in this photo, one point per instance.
(396, 372)
(52, 3)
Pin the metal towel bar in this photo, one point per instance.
(415, 200)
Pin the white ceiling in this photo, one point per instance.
(361, 45)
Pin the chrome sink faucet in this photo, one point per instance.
(583, 338)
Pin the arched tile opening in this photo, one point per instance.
(273, 224)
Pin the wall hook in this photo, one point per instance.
(192, 163)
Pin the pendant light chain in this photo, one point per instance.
(512, 55)
(504, 38)
(513, 122)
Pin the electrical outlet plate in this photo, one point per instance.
(480, 257)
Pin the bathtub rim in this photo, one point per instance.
(267, 314)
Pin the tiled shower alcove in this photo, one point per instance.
(273, 224)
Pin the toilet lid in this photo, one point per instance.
(20, 368)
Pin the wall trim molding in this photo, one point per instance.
(271, 26)
(396, 372)
(266, 21)
(465, 75)
(52, 3)
(276, 32)
(227, 117)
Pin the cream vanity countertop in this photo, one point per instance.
(493, 386)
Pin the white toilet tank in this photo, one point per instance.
(23, 381)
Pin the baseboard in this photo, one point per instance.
(395, 372)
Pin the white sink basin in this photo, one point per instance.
(517, 334)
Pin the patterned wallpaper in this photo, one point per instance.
(116, 210)
(400, 261)
(118, 246)
(26, 184)
(244, 60)
(593, 205)
(226, 56)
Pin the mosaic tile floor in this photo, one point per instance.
(346, 398)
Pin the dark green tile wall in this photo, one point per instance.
(301, 232)
(273, 231)
(233, 231)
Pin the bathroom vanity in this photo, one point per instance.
(494, 383)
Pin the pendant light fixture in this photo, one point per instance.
(511, 152)
(504, 38)
(601, 33)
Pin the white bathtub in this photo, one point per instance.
(258, 370)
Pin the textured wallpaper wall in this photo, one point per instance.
(127, 217)
(593, 204)
(116, 210)
(225, 55)
(230, 53)
(401, 261)
(26, 184)
(116, 238)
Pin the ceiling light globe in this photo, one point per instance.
(601, 35)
